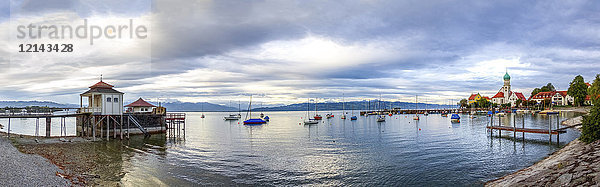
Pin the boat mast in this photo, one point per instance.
(249, 108)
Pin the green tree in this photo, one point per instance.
(590, 129)
(519, 102)
(594, 91)
(483, 103)
(548, 88)
(463, 103)
(578, 90)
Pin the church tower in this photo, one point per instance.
(506, 87)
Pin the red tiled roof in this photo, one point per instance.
(544, 95)
(488, 98)
(588, 84)
(520, 96)
(472, 97)
(140, 103)
(499, 94)
(101, 84)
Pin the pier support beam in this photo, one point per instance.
(48, 126)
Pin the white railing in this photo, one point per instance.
(91, 110)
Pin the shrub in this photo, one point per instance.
(590, 129)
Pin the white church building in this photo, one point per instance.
(505, 95)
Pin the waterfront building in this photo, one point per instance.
(102, 100)
(555, 97)
(474, 97)
(505, 95)
(140, 106)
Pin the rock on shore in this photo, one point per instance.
(19, 169)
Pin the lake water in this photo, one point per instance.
(400, 151)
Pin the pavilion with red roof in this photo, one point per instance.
(140, 106)
(103, 99)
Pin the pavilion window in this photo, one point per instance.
(116, 100)
(108, 99)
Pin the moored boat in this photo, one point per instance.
(455, 118)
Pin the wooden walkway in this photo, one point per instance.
(527, 130)
(41, 115)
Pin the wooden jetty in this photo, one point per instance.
(550, 131)
(527, 130)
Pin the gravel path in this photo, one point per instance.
(19, 169)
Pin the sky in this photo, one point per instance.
(283, 52)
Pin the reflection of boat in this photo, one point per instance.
(455, 118)
(255, 121)
(343, 108)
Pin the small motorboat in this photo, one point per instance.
(353, 118)
(444, 114)
(501, 114)
(266, 118)
(416, 117)
(262, 115)
(380, 118)
(254, 122)
(202, 116)
(233, 117)
(548, 112)
(311, 122)
(343, 116)
(455, 118)
(329, 116)
(318, 117)
(426, 114)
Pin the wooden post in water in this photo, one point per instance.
(48, 125)
(515, 126)
(557, 127)
(8, 130)
(121, 131)
(93, 128)
(107, 128)
(128, 127)
(549, 129)
(523, 122)
(499, 125)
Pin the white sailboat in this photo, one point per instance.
(234, 116)
(343, 108)
(380, 117)
(309, 121)
(416, 117)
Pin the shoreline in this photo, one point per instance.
(575, 164)
(22, 169)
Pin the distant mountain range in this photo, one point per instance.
(21, 104)
(354, 105)
(202, 106)
(210, 107)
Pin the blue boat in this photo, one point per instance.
(353, 118)
(455, 118)
(266, 118)
(254, 122)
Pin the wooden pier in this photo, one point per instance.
(527, 130)
(550, 131)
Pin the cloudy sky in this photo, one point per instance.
(285, 51)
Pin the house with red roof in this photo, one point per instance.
(140, 106)
(475, 97)
(102, 99)
(556, 97)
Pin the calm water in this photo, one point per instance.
(400, 151)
